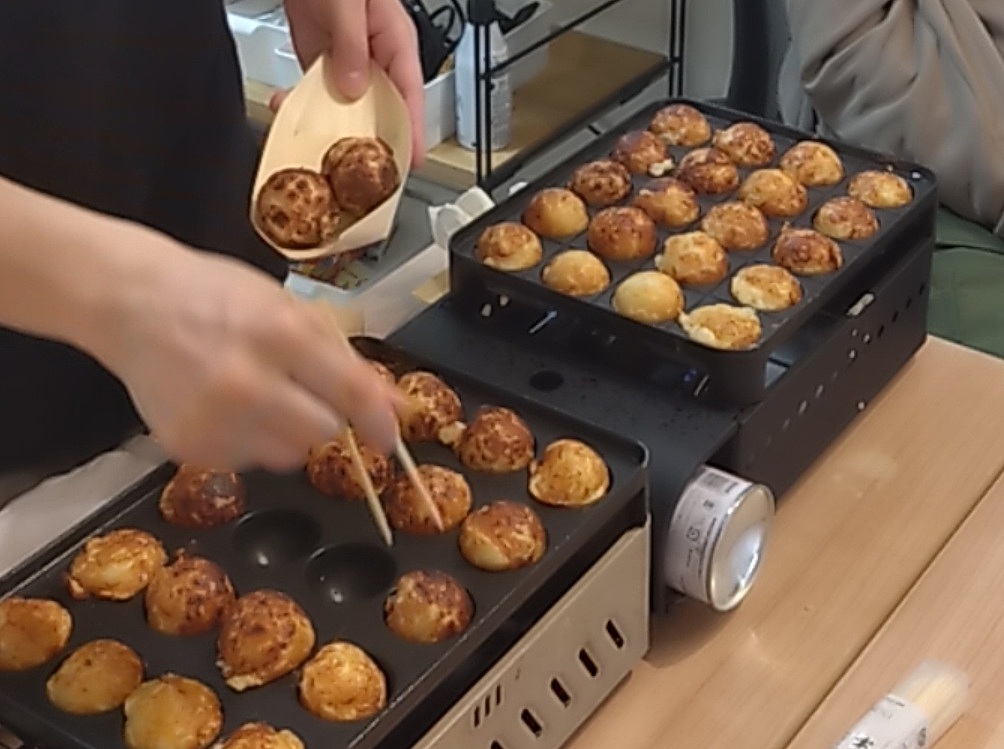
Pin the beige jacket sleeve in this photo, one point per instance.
(922, 79)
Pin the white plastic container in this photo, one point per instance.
(469, 87)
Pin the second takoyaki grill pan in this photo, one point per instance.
(325, 553)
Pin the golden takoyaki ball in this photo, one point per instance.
(503, 536)
(95, 678)
(188, 596)
(746, 143)
(32, 631)
(449, 490)
(556, 213)
(806, 252)
(766, 287)
(576, 273)
(722, 326)
(496, 441)
(774, 192)
(509, 246)
(669, 202)
(812, 163)
(708, 171)
(432, 405)
(845, 218)
(648, 296)
(362, 173)
(736, 225)
(202, 498)
(261, 736)
(601, 183)
(172, 712)
(622, 233)
(681, 125)
(383, 371)
(639, 150)
(879, 189)
(343, 683)
(428, 607)
(296, 208)
(693, 258)
(570, 473)
(332, 471)
(263, 636)
(115, 566)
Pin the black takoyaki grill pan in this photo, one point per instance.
(326, 553)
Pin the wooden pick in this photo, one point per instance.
(411, 469)
(372, 500)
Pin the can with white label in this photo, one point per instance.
(717, 537)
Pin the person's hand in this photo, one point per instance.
(353, 32)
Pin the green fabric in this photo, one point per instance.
(967, 285)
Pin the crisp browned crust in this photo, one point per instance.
(296, 209)
(343, 683)
(556, 213)
(668, 202)
(509, 246)
(736, 225)
(332, 472)
(681, 125)
(503, 535)
(845, 218)
(428, 606)
(188, 597)
(746, 143)
(449, 490)
(806, 252)
(622, 233)
(693, 258)
(708, 171)
(362, 173)
(202, 498)
(601, 183)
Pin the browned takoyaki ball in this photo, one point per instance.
(806, 252)
(115, 566)
(648, 296)
(601, 183)
(736, 225)
(432, 405)
(362, 173)
(332, 471)
(708, 171)
(343, 683)
(879, 189)
(296, 209)
(188, 596)
(172, 712)
(264, 635)
(261, 736)
(693, 258)
(428, 606)
(576, 273)
(32, 631)
(556, 213)
(746, 143)
(639, 150)
(622, 233)
(669, 202)
(509, 246)
(681, 125)
(766, 287)
(570, 473)
(722, 326)
(503, 536)
(95, 678)
(845, 218)
(774, 192)
(812, 163)
(202, 498)
(449, 490)
(496, 441)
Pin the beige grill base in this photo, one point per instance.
(556, 676)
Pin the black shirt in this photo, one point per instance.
(133, 108)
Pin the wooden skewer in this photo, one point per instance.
(372, 500)
(408, 462)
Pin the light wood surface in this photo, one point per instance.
(849, 543)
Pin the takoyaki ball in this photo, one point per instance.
(648, 296)
(296, 209)
(708, 171)
(503, 536)
(845, 218)
(766, 287)
(95, 678)
(774, 192)
(264, 635)
(496, 441)
(736, 225)
(601, 183)
(342, 683)
(427, 607)
(188, 597)
(570, 473)
(693, 259)
(509, 246)
(746, 143)
(722, 326)
(576, 273)
(172, 712)
(202, 498)
(669, 202)
(383, 372)
(362, 173)
(432, 405)
(812, 163)
(681, 125)
(449, 490)
(806, 252)
(879, 189)
(639, 150)
(261, 736)
(556, 213)
(115, 566)
(622, 233)
(332, 471)
(32, 632)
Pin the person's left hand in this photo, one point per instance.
(354, 32)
